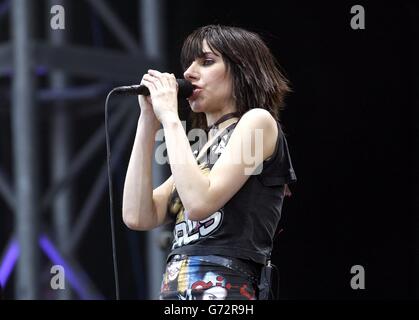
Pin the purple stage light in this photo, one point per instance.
(8, 262)
(4, 7)
(76, 280)
(70, 274)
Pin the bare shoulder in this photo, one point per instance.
(259, 118)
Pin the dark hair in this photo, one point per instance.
(257, 79)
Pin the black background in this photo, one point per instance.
(349, 123)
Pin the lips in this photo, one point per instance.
(195, 92)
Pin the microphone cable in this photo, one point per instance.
(185, 90)
(108, 158)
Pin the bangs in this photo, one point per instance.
(191, 50)
(193, 46)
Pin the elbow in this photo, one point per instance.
(132, 222)
(198, 212)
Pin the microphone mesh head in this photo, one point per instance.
(185, 88)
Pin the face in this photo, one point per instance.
(215, 293)
(212, 82)
(173, 269)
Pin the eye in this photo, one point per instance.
(207, 62)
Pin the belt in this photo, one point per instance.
(232, 264)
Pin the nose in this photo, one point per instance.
(191, 73)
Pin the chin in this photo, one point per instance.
(195, 107)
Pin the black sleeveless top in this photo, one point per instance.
(245, 227)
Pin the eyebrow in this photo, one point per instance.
(206, 53)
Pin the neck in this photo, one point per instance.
(213, 117)
(223, 121)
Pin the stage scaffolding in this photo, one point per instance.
(21, 190)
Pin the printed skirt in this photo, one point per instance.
(193, 278)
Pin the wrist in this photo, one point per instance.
(149, 119)
(170, 119)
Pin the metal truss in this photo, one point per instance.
(63, 61)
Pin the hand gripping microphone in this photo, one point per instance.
(185, 89)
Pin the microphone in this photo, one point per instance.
(185, 89)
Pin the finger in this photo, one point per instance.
(165, 79)
(174, 80)
(145, 76)
(155, 79)
(169, 80)
(149, 84)
(154, 73)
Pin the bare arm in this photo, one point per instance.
(143, 208)
(202, 195)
